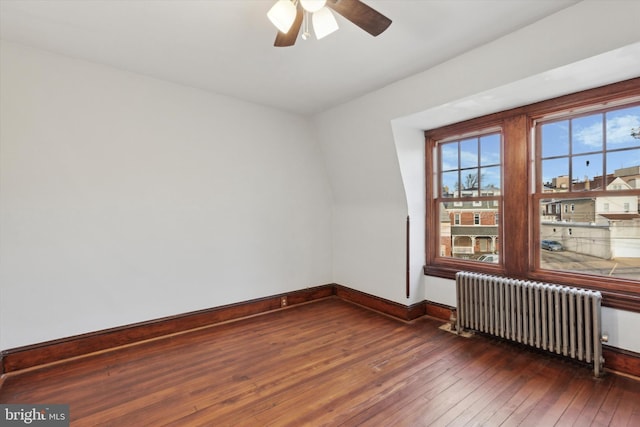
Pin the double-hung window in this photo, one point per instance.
(590, 162)
(467, 197)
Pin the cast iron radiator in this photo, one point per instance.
(558, 319)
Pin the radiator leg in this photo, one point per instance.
(565, 324)
(598, 360)
(459, 297)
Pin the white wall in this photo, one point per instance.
(369, 214)
(411, 155)
(126, 199)
(370, 142)
(622, 328)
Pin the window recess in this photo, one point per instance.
(559, 182)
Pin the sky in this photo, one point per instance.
(591, 140)
(585, 147)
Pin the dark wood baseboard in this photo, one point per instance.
(65, 348)
(439, 311)
(382, 305)
(619, 360)
(79, 345)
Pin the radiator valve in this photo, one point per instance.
(605, 338)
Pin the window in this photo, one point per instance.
(469, 189)
(590, 162)
(572, 171)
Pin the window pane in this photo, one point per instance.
(609, 245)
(555, 139)
(620, 124)
(587, 172)
(490, 150)
(555, 174)
(449, 156)
(469, 230)
(469, 153)
(450, 184)
(623, 170)
(586, 134)
(469, 182)
(490, 181)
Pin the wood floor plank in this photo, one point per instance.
(551, 406)
(590, 410)
(627, 412)
(537, 396)
(585, 392)
(435, 411)
(317, 378)
(329, 363)
(608, 408)
(390, 370)
(430, 380)
(468, 407)
(433, 405)
(433, 381)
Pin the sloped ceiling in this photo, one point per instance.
(226, 46)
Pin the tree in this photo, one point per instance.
(471, 181)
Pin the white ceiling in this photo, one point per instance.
(226, 46)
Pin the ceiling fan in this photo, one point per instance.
(289, 16)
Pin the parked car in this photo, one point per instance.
(489, 258)
(551, 245)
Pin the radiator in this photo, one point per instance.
(558, 319)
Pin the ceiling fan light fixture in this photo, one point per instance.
(313, 5)
(324, 23)
(282, 14)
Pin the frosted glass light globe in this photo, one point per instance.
(313, 5)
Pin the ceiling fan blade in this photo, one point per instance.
(289, 38)
(370, 20)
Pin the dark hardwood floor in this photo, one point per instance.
(327, 363)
